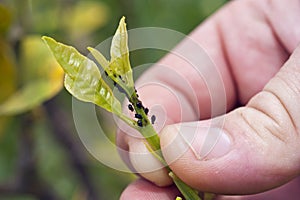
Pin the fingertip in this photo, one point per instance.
(227, 162)
(147, 165)
(204, 141)
(142, 189)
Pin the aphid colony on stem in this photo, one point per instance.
(139, 116)
(132, 99)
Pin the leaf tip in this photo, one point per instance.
(91, 49)
(122, 22)
(48, 39)
(123, 19)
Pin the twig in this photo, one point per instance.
(60, 123)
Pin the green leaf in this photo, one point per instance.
(109, 70)
(119, 53)
(118, 69)
(100, 58)
(83, 79)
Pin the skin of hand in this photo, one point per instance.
(255, 46)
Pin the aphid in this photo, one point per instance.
(120, 77)
(138, 116)
(139, 123)
(153, 118)
(146, 111)
(139, 104)
(130, 107)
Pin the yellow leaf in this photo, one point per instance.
(85, 17)
(42, 78)
(28, 97)
(36, 62)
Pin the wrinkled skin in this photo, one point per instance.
(255, 46)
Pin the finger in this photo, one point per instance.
(142, 189)
(288, 191)
(280, 20)
(249, 150)
(245, 47)
(145, 189)
(185, 90)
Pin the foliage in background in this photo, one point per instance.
(28, 77)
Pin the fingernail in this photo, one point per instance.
(205, 143)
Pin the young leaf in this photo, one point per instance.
(119, 53)
(83, 79)
(100, 58)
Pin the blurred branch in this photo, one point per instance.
(60, 123)
(27, 180)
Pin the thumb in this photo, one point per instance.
(249, 150)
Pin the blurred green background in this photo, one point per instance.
(41, 156)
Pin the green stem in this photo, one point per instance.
(153, 144)
(127, 120)
(186, 191)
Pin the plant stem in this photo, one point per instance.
(144, 126)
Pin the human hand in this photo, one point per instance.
(256, 148)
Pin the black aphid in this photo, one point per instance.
(153, 118)
(130, 107)
(138, 116)
(146, 111)
(139, 104)
(139, 123)
(120, 77)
